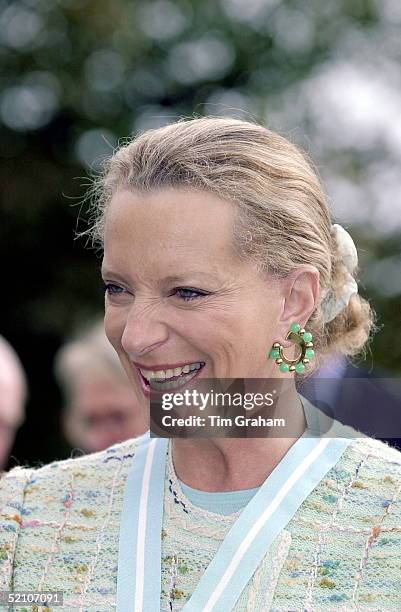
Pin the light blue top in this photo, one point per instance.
(225, 502)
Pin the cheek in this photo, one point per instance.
(114, 325)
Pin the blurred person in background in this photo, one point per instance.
(13, 394)
(100, 405)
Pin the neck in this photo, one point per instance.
(232, 464)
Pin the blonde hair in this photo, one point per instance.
(282, 217)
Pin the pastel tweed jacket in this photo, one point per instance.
(60, 526)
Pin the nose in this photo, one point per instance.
(144, 330)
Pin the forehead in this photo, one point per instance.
(169, 221)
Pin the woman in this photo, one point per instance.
(217, 243)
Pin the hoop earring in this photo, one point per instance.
(304, 340)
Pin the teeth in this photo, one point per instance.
(170, 373)
(159, 374)
(157, 385)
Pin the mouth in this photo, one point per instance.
(168, 379)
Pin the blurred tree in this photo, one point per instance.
(78, 75)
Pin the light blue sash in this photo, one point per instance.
(245, 545)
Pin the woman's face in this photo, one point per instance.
(177, 293)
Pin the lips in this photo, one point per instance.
(173, 383)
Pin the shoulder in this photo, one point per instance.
(367, 480)
(380, 456)
(32, 499)
(95, 469)
(358, 498)
(19, 481)
(365, 452)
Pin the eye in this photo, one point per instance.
(111, 289)
(117, 295)
(187, 293)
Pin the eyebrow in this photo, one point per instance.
(104, 272)
(183, 277)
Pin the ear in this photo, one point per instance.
(301, 290)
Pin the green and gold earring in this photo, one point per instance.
(304, 340)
